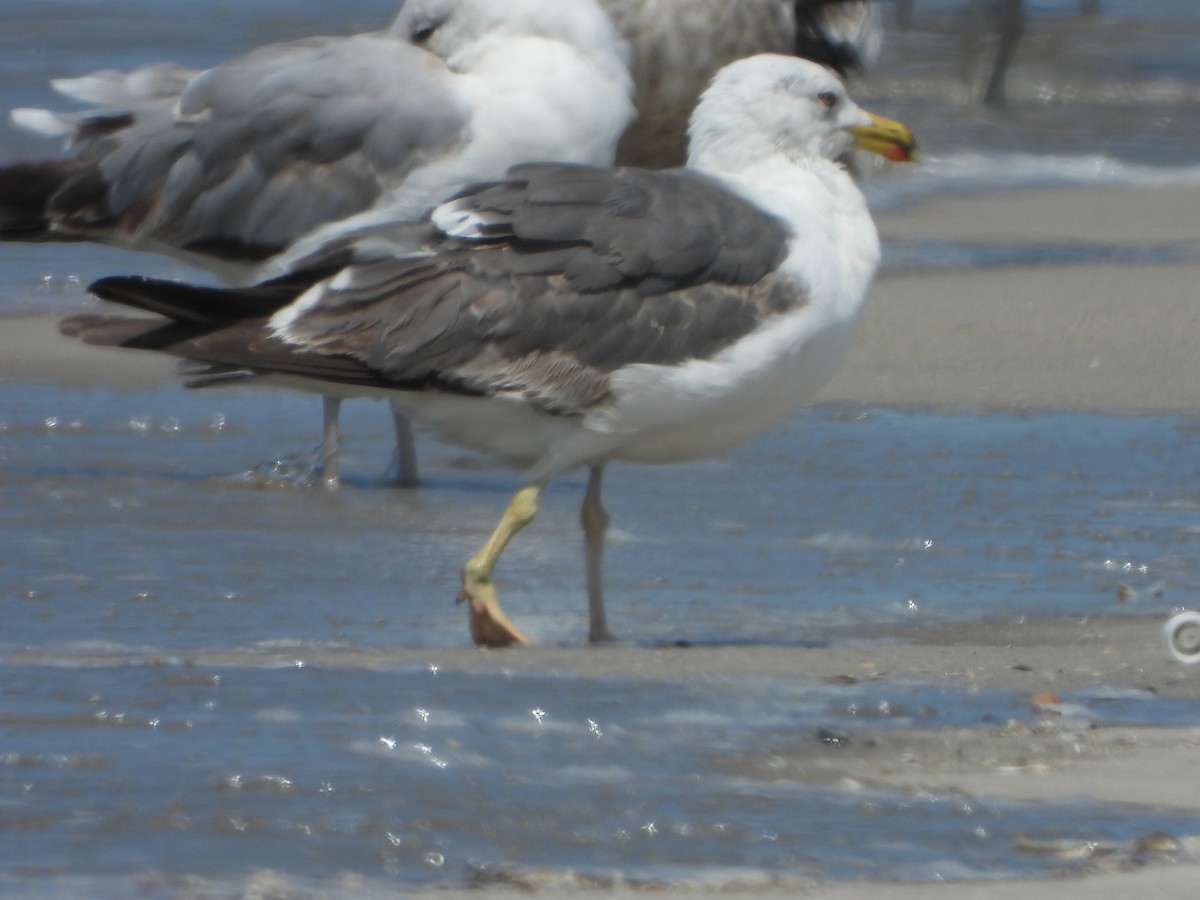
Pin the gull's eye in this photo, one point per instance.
(827, 99)
(423, 33)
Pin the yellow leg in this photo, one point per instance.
(490, 627)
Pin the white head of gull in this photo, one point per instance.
(532, 82)
(568, 315)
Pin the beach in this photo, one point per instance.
(1113, 337)
(1118, 338)
(1098, 336)
(909, 644)
(1055, 754)
(1102, 337)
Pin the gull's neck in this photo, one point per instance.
(834, 244)
(768, 174)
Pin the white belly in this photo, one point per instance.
(707, 408)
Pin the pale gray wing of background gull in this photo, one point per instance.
(232, 165)
(544, 82)
(568, 315)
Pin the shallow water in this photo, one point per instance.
(132, 520)
(415, 776)
(160, 717)
(164, 732)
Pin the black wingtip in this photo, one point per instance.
(197, 304)
(116, 288)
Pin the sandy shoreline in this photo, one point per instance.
(1048, 758)
(1098, 337)
(1101, 337)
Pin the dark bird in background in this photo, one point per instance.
(678, 45)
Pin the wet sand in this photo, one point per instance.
(1100, 337)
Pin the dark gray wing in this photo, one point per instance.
(225, 347)
(243, 158)
(579, 272)
(632, 229)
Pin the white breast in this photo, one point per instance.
(709, 406)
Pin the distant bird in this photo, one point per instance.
(567, 316)
(1007, 19)
(228, 167)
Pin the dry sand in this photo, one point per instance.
(31, 348)
(1121, 338)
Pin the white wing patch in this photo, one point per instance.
(456, 219)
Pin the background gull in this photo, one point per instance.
(568, 316)
(229, 166)
(678, 45)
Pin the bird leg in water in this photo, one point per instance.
(595, 526)
(330, 443)
(404, 465)
(490, 627)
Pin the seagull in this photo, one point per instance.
(288, 153)
(566, 315)
(231, 166)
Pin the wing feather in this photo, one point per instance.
(598, 269)
(259, 150)
(601, 269)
